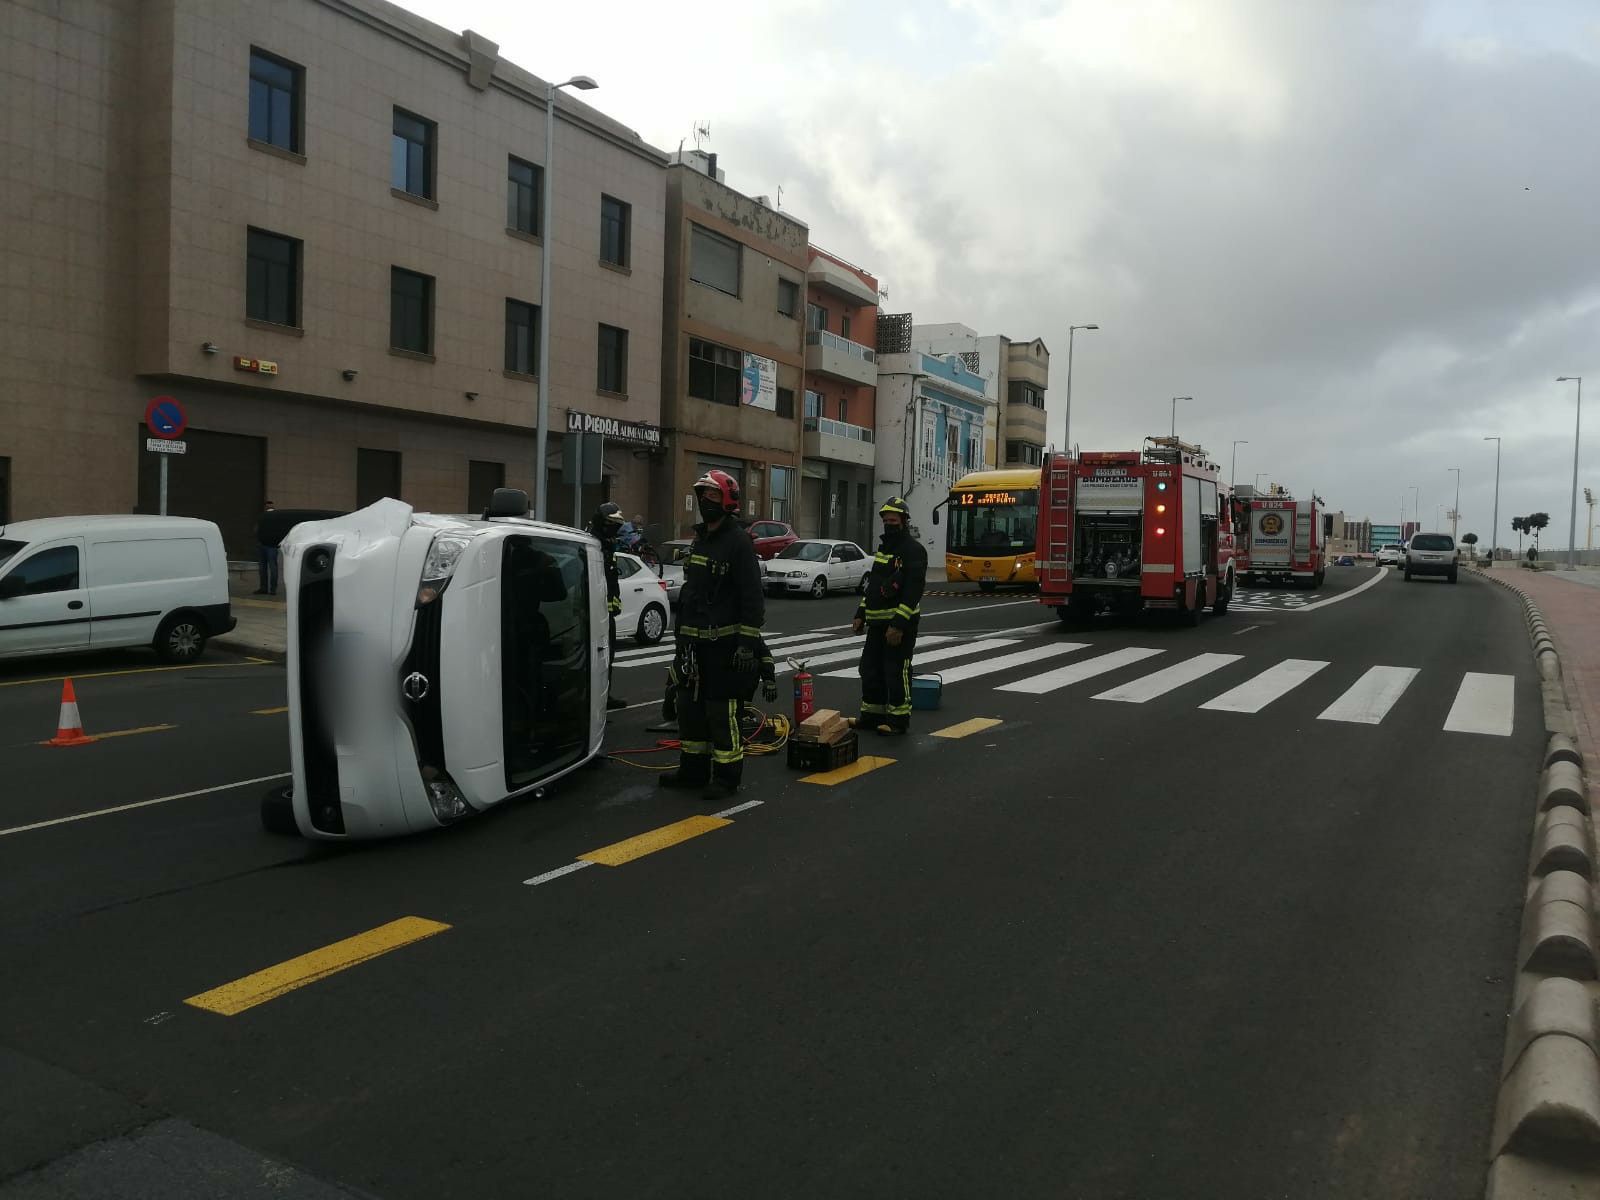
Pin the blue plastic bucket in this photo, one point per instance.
(926, 691)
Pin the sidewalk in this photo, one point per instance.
(1571, 604)
(263, 627)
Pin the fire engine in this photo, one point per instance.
(1280, 539)
(1134, 530)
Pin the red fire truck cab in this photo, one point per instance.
(1280, 540)
(1131, 530)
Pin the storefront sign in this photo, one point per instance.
(635, 433)
(758, 386)
(256, 366)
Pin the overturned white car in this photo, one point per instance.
(438, 665)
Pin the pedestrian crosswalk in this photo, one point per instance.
(1028, 662)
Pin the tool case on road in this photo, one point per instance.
(926, 691)
(823, 756)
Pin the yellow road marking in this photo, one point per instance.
(253, 662)
(967, 728)
(621, 852)
(270, 712)
(846, 773)
(115, 733)
(231, 999)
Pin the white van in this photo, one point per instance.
(438, 665)
(94, 583)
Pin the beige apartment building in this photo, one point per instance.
(732, 346)
(1016, 375)
(317, 224)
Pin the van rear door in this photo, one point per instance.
(136, 582)
(44, 605)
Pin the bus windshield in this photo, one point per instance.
(993, 522)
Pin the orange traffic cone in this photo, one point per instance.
(69, 728)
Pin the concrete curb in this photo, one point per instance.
(1546, 1139)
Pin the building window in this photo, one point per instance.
(482, 479)
(816, 317)
(786, 403)
(411, 154)
(1026, 393)
(612, 373)
(522, 337)
(788, 297)
(410, 311)
(844, 325)
(782, 486)
(813, 403)
(272, 278)
(714, 372)
(844, 409)
(524, 183)
(377, 476)
(275, 89)
(615, 219)
(713, 260)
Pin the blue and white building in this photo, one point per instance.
(936, 420)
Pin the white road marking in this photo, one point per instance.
(947, 612)
(784, 668)
(1164, 681)
(1355, 591)
(1484, 704)
(1371, 697)
(1022, 658)
(1246, 629)
(578, 865)
(957, 651)
(739, 808)
(778, 652)
(1255, 694)
(104, 812)
(1038, 685)
(647, 651)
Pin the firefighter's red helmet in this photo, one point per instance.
(722, 486)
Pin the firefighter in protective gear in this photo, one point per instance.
(605, 525)
(718, 639)
(889, 612)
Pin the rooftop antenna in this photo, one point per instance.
(780, 195)
(702, 132)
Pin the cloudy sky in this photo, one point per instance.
(1363, 234)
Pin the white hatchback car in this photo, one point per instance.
(645, 601)
(817, 567)
(438, 666)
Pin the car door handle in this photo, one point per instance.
(75, 605)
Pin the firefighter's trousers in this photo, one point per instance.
(709, 745)
(886, 679)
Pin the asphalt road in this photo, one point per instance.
(1111, 946)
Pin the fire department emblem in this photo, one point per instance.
(1272, 524)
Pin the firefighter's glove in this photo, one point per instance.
(769, 690)
(893, 635)
(744, 660)
(857, 625)
(613, 606)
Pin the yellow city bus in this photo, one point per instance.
(993, 516)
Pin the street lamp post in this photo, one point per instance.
(1577, 427)
(1416, 511)
(1175, 400)
(1066, 433)
(1233, 466)
(581, 83)
(1494, 537)
(1455, 513)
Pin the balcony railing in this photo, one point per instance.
(821, 337)
(841, 429)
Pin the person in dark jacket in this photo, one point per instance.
(267, 543)
(889, 612)
(718, 639)
(605, 525)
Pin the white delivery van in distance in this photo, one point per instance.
(438, 665)
(95, 583)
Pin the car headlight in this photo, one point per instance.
(443, 555)
(445, 798)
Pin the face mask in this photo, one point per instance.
(893, 533)
(711, 510)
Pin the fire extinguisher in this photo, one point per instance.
(804, 702)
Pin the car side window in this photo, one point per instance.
(53, 570)
(763, 530)
(626, 567)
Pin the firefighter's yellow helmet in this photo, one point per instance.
(896, 505)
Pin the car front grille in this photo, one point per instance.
(315, 630)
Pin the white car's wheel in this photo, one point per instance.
(819, 587)
(652, 625)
